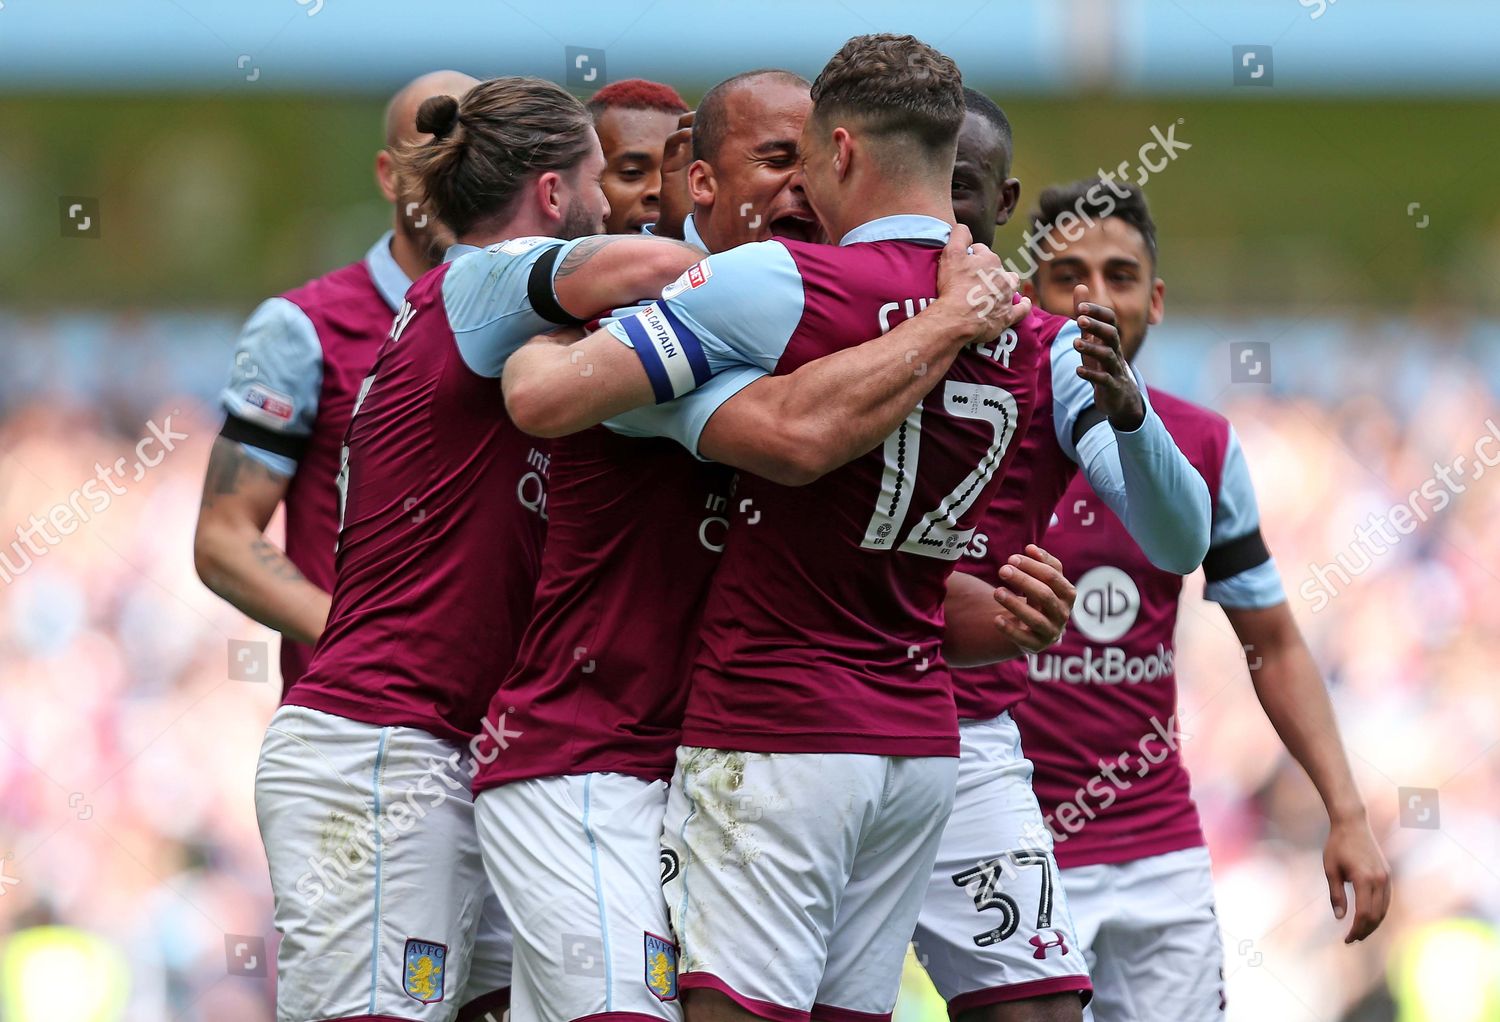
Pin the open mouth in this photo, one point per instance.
(797, 225)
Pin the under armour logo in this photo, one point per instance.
(1041, 945)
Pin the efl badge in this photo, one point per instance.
(661, 967)
(424, 970)
(696, 276)
(272, 404)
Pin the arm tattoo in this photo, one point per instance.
(582, 253)
(224, 463)
(590, 247)
(274, 560)
(227, 464)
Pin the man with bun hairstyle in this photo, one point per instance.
(362, 790)
(634, 117)
(443, 511)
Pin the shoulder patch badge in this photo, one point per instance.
(269, 404)
(696, 276)
(518, 246)
(661, 967)
(424, 967)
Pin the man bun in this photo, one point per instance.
(437, 115)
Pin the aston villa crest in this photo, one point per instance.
(661, 967)
(424, 967)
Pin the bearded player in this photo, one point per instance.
(1100, 723)
(362, 787)
(297, 369)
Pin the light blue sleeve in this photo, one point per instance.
(1071, 397)
(683, 419)
(1236, 519)
(276, 377)
(1142, 475)
(736, 308)
(488, 300)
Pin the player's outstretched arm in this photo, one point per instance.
(1290, 689)
(1026, 613)
(1133, 463)
(795, 428)
(552, 388)
(233, 556)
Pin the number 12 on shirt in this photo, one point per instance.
(936, 532)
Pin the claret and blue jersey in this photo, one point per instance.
(444, 502)
(1106, 693)
(296, 373)
(823, 627)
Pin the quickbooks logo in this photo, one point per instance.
(1107, 604)
(1106, 608)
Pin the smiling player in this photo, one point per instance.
(1100, 723)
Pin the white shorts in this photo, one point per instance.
(794, 880)
(379, 889)
(995, 925)
(577, 864)
(1151, 936)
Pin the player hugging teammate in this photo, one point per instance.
(647, 643)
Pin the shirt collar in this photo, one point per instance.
(390, 280)
(455, 250)
(689, 232)
(901, 227)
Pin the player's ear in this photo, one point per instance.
(1158, 301)
(701, 184)
(549, 194)
(1010, 197)
(385, 174)
(843, 153)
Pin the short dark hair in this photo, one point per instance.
(976, 102)
(710, 122)
(1095, 199)
(637, 94)
(894, 85)
(484, 145)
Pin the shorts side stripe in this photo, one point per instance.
(609, 965)
(682, 840)
(375, 777)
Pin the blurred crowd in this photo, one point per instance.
(132, 881)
